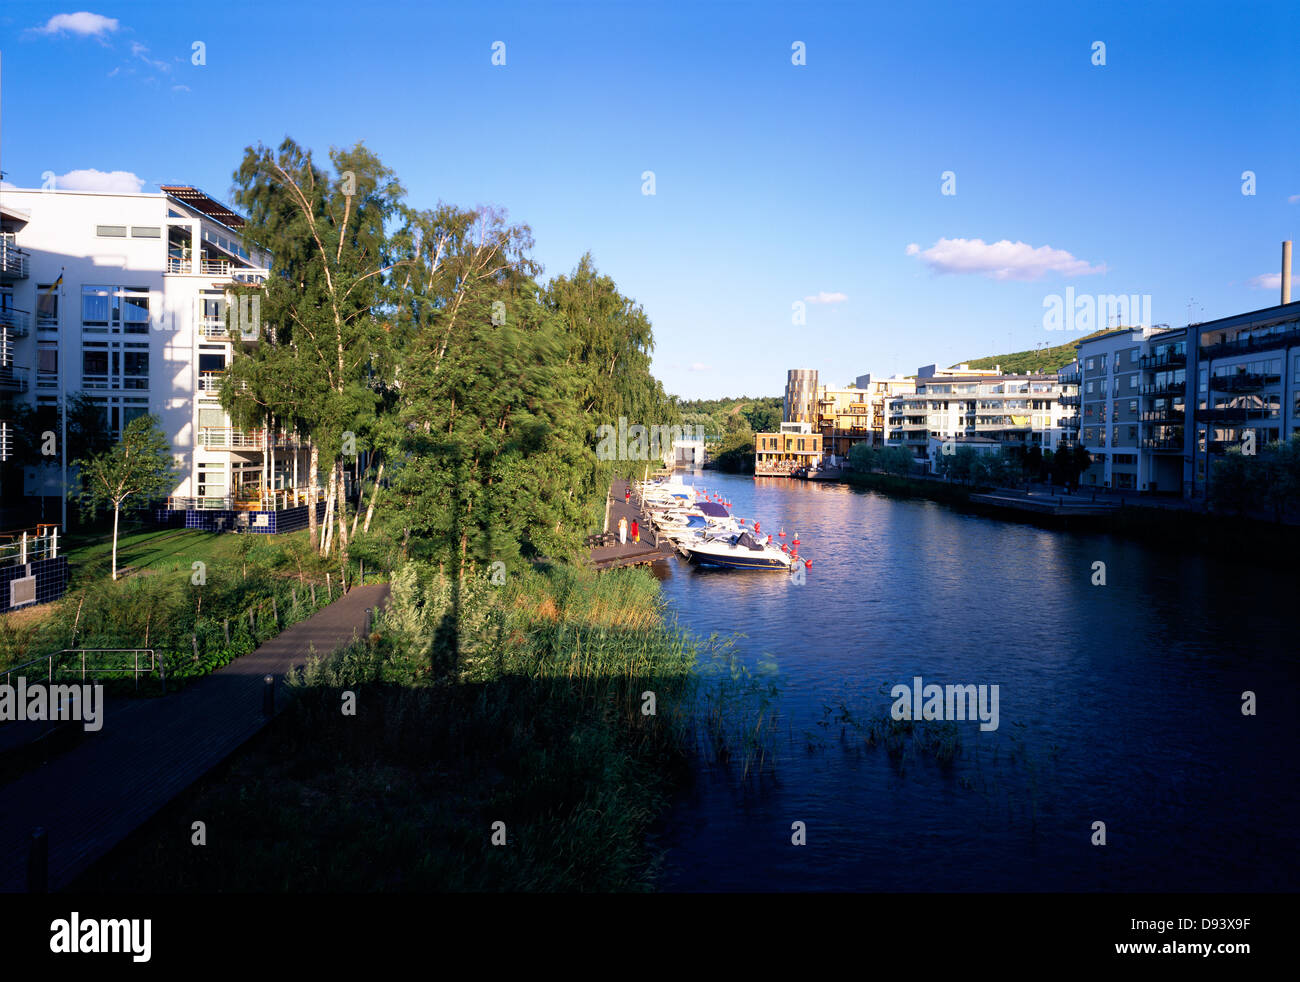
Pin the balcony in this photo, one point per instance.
(231, 438)
(1068, 378)
(14, 262)
(1163, 443)
(1070, 400)
(1227, 416)
(13, 379)
(1070, 422)
(220, 268)
(16, 322)
(1164, 388)
(1175, 417)
(1263, 342)
(214, 327)
(1170, 359)
(1242, 382)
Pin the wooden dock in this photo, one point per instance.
(92, 796)
(651, 549)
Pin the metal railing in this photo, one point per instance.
(1163, 388)
(230, 438)
(13, 379)
(13, 260)
(25, 546)
(1243, 381)
(52, 662)
(217, 267)
(17, 322)
(1172, 359)
(1262, 342)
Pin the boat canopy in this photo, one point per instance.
(748, 541)
(712, 509)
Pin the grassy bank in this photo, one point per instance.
(199, 599)
(522, 704)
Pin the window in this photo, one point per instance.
(135, 370)
(1132, 405)
(1088, 387)
(1132, 432)
(47, 359)
(111, 231)
(1133, 381)
(1102, 360)
(1133, 356)
(95, 307)
(146, 232)
(94, 368)
(115, 309)
(1090, 363)
(47, 306)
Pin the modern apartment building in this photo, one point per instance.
(1133, 416)
(878, 393)
(1017, 411)
(1247, 375)
(124, 298)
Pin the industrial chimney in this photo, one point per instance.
(1286, 271)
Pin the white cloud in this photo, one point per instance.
(83, 23)
(1266, 281)
(1293, 200)
(1003, 260)
(120, 181)
(142, 52)
(180, 88)
(824, 297)
(699, 366)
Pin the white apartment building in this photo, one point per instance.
(1018, 411)
(123, 297)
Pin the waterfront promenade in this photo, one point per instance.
(92, 796)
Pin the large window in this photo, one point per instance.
(119, 310)
(47, 306)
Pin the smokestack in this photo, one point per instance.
(1286, 271)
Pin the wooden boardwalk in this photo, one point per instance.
(649, 550)
(149, 750)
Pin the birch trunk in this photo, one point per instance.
(312, 467)
(370, 512)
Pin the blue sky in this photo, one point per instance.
(774, 183)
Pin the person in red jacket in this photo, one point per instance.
(636, 531)
(627, 495)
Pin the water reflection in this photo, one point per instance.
(1119, 703)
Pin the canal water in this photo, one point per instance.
(1119, 704)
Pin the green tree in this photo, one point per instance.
(136, 470)
(863, 457)
(324, 358)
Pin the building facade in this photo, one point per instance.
(1016, 411)
(781, 454)
(124, 298)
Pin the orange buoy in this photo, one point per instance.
(741, 521)
(769, 540)
(784, 547)
(796, 538)
(757, 527)
(781, 533)
(807, 564)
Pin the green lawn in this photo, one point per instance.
(166, 550)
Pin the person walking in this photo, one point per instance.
(622, 530)
(627, 494)
(636, 531)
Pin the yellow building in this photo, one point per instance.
(782, 453)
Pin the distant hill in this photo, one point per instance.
(1047, 360)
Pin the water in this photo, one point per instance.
(1118, 703)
